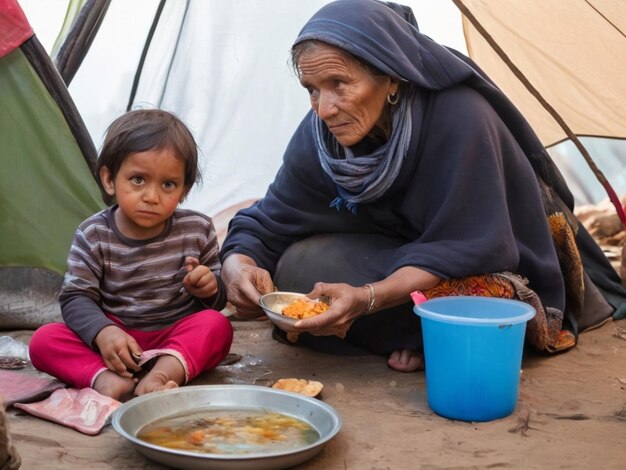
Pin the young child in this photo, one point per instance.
(143, 275)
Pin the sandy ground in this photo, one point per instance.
(571, 412)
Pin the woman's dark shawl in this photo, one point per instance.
(445, 205)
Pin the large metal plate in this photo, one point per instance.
(134, 414)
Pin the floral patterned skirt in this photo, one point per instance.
(544, 331)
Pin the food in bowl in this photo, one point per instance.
(304, 308)
(274, 303)
(229, 431)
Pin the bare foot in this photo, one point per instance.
(406, 360)
(167, 373)
(112, 385)
(154, 383)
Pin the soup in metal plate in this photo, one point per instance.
(229, 431)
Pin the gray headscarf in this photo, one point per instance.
(366, 178)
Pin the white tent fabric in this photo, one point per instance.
(229, 79)
(231, 82)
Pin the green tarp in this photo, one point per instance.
(46, 188)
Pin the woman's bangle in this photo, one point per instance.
(371, 304)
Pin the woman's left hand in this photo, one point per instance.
(347, 304)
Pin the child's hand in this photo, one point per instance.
(117, 349)
(200, 280)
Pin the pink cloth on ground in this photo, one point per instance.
(202, 340)
(85, 410)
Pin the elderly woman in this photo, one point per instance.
(411, 172)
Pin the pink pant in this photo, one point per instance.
(201, 340)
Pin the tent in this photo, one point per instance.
(221, 66)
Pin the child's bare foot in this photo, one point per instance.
(112, 385)
(167, 373)
(154, 383)
(406, 360)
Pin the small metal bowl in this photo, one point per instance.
(273, 305)
(128, 419)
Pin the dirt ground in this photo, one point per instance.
(571, 412)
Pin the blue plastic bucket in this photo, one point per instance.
(473, 354)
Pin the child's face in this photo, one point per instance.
(148, 188)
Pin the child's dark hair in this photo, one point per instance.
(143, 130)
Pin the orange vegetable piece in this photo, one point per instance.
(304, 308)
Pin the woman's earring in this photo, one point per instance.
(393, 99)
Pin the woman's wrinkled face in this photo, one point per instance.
(344, 94)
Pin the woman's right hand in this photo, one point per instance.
(245, 284)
